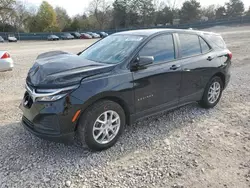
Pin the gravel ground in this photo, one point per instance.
(187, 147)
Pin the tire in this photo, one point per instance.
(205, 102)
(88, 122)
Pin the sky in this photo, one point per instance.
(74, 7)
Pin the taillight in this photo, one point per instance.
(5, 55)
(230, 55)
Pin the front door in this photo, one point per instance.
(157, 87)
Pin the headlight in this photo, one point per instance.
(51, 98)
(50, 94)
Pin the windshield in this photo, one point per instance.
(113, 49)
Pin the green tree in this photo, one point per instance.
(190, 11)
(127, 13)
(166, 15)
(85, 22)
(145, 10)
(33, 24)
(133, 13)
(120, 13)
(7, 5)
(63, 19)
(235, 8)
(220, 13)
(46, 17)
(6, 12)
(75, 25)
(100, 9)
(21, 16)
(209, 12)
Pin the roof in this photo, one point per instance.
(148, 32)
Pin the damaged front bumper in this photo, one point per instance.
(50, 120)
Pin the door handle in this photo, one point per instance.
(210, 58)
(175, 67)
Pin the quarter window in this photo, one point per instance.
(161, 48)
(204, 46)
(190, 45)
(216, 39)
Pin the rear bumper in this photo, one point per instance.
(12, 40)
(227, 80)
(6, 65)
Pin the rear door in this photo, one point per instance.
(157, 86)
(198, 62)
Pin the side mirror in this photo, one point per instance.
(142, 62)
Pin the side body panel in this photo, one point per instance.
(197, 70)
(155, 86)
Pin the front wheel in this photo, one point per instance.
(101, 125)
(212, 93)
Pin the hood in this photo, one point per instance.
(60, 69)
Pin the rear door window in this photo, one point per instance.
(161, 48)
(204, 46)
(190, 45)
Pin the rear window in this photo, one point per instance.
(216, 40)
(190, 45)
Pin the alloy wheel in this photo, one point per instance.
(214, 92)
(106, 127)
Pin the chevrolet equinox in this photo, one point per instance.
(120, 79)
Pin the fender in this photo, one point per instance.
(113, 96)
(109, 95)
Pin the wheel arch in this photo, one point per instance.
(113, 96)
(222, 77)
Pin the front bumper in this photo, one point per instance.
(51, 120)
(63, 138)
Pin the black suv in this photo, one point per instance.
(120, 79)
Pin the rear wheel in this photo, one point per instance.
(212, 93)
(101, 125)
